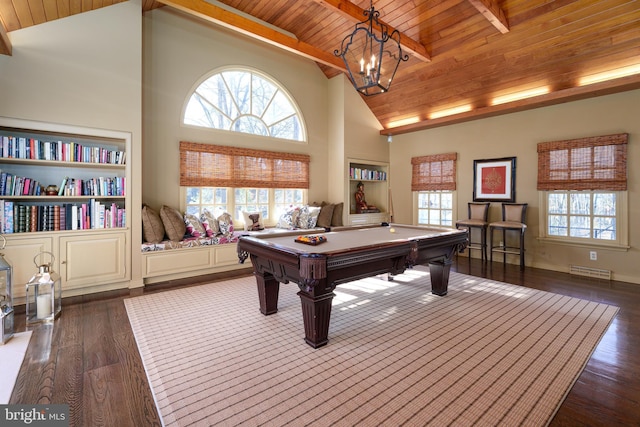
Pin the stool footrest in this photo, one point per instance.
(515, 250)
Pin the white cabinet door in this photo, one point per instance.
(92, 259)
(20, 253)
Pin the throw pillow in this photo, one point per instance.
(194, 225)
(152, 228)
(253, 221)
(308, 217)
(326, 213)
(289, 219)
(226, 224)
(336, 218)
(173, 223)
(210, 223)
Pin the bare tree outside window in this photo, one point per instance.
(245, 101)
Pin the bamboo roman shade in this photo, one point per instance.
(435, 172)
(206, 165)
(595, 163)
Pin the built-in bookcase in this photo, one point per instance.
(57, 181)
(374, 176)
(64, 190)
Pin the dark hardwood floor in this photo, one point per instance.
(89, 359)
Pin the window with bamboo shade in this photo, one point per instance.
(583, 185)
(237, 180)
(433, 181)
(434, 172)
(208, 165)
(594, 163)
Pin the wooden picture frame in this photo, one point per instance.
(494, 180)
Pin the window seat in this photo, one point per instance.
(195, 242)
(196, 256)
(191, 242)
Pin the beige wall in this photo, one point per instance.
(355, 134)
(517, 135)
(81, 70)
(178, 52)
(84, 70)
(337, 161)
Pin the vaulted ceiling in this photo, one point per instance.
(463, 53)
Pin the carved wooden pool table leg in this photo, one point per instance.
(268, 290)
(439, 273)
(316, 313)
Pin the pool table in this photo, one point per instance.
(348, 254)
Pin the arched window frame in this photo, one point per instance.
(239, 114)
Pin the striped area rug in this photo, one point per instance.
(486, 354)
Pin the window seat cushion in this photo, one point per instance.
(191, 242)
(196, 242)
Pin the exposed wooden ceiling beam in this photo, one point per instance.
(248, 27)
(493, 13)
(356, 14)
(5, 43)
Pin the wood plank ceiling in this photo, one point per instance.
(463, 53)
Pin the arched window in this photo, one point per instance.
(241, 100)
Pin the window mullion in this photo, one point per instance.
(266, 108)
(272, 204)
(232, 95)
(279, 121)
(214, 106)
(592, 215)
(568, 207)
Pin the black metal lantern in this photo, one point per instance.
(6, 301)
(372, 61)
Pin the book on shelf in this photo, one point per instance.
(63, 184)
(35, 149)
(56, 218)
(74, 217)
(7, 221)
(63, 217)
(100, 186)
(27, 219)
(367, 174)
(21, 218)
(12, 185)
(43, 218)
(51, 218)
(33, 213)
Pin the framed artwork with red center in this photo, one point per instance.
(494, 180)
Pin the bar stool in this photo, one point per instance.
(513, 219)
(478, 213)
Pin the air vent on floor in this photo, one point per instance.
(596, 273)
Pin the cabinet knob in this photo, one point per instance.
(63, 262)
